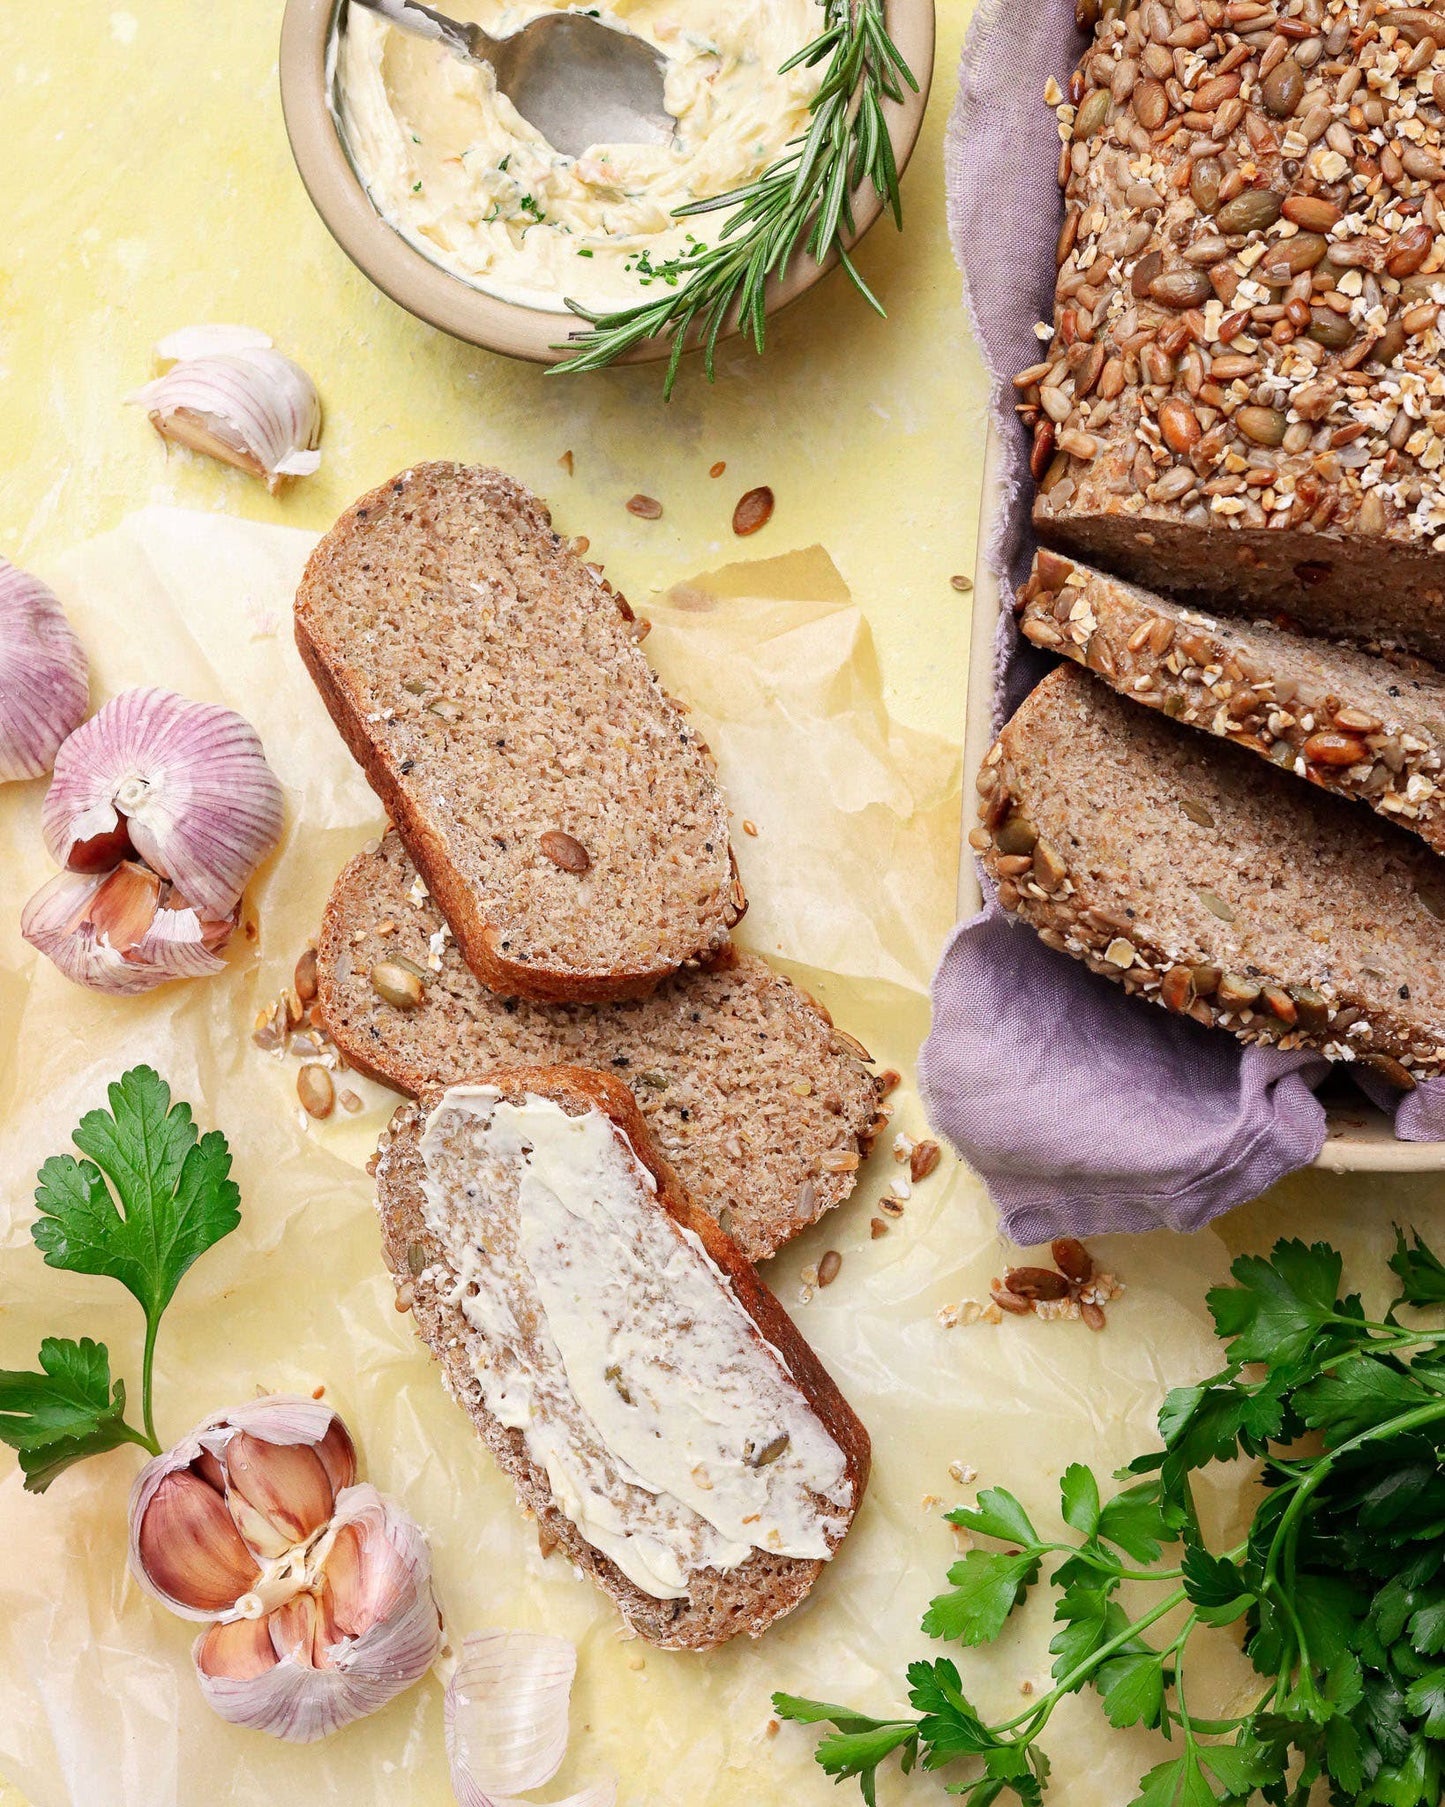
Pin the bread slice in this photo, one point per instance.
(539, 1306)
(764, 1108)
(563, 813)
(1197, 877)
(1367, 726)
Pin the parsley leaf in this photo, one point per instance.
(986, 1586)
(152, 1197)
(1280, 1304)
(1420, 1270)
(64, 1413)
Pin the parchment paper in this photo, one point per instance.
(851, 877)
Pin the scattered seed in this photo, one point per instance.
(961, 583)
(717, 469)
(828, 1267)
(1072, 1259)
(646, 508)
(749, 827)
(1009, 1301)
(350, 1102)
(1036, 1283)
(889, 1080)
(566, 462)
(402, 1301)
(316, 1091)
(305, 977)
(923, 1160)
(877, 1228)
(754, 510)
(1092, 1315)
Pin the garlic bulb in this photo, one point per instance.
(184, 785)
(44, 676)
(506, 1719)
(229, 393)
(124, 931)
(317, 1589)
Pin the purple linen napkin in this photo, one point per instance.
(1083, 1110)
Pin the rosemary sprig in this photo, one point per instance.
(804, 198)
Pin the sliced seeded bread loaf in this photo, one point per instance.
(1241, 388)
(1369, 727)
(764, 1108)
(563, 813)
(1197, 877)
(559, 1312)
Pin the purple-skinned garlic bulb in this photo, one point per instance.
(184, 785)
(44, 675)
(160, 811)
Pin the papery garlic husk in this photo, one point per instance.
(506, 1713)
(123, 932)
(184, 785)
(296, 1427)
(230, 394)
(44, 675)
(363, 1630)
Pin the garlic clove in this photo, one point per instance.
(240, 1649)
(278, 1418)
(190, 782)
(229, 394)
(506, 1713)
(285, 1486)
(338, 1456)
(44, 675)
(189, 1550)
(323, 1681)
(120, 932)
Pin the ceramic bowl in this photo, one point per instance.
(433, 294)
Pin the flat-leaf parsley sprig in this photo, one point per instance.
(1339, 1585)
(802, 199)
(151, 1195)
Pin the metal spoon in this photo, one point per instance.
(579, 80)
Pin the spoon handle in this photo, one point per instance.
(426, 22)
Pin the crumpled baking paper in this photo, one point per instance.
(851, 876)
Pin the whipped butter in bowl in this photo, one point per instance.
(455, 206)
(451, 165)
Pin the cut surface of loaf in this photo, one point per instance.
(764, 1108)
(1247, 318)
(1370, 727)
(563, 813)
(652, 1403)
(1197, 877)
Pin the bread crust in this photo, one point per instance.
(329, 666)
(1358, 724)
(761, 1589)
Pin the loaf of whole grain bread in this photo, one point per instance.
(675, 1243)
(563, 813)
(1240, 398)
(1193, 874)
(762, 1106)
(1368, 727)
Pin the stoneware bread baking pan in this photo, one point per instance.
(433, 294)
(1360, 1139)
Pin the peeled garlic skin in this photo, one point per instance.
(177, 945)
(44, 676)
(202, 806)
(300, 1700)
(230, 394)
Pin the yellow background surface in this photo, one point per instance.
(145, 184)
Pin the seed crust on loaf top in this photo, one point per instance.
(561, 809)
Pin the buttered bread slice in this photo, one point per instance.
(563, 813)
(651, 1401)
(763, 1107)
